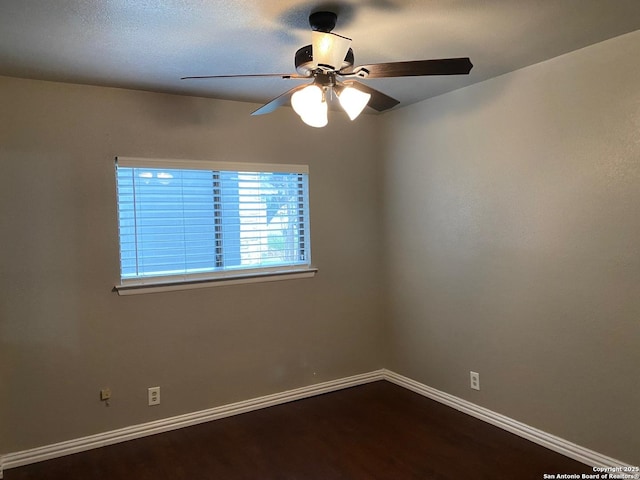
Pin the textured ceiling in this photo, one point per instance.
(150, 44)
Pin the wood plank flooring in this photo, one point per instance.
(376, 431)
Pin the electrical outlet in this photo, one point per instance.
(154, 395)
(475, 380)
(105, 394)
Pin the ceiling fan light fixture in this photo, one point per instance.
(353, 101)
(328, 60)
(317, 117)
(309, 104)
(306, 100)
(329, 49)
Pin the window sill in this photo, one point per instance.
(140, 289)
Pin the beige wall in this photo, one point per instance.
(513, 235)
(64, 334)
(512, 229)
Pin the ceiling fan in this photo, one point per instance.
(329, 62)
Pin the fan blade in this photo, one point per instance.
(279, 101)
(378, 101)
(443, 66)
(255, 75)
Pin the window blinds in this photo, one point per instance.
(193, 219)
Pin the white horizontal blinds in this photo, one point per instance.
(261, 215)
(167, 222)
(192, 221)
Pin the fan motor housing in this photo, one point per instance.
(304, 60)
(323, 21)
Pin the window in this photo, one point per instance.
(189, 223)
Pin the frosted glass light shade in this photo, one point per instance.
(307, 99)
(353, 101)
(329, 49)
(309, 105)
(317, 117)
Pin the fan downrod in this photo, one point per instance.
(323, 21)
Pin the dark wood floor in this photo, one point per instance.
(374, 431)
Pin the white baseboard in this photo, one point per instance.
(48, 452)
(557, 444)
(564, 447)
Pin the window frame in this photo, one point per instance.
(230, 276)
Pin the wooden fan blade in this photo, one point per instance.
(255, 75)
(443, 66)
(378, 101)
(279, 101)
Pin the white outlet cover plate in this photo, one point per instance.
(154, 395)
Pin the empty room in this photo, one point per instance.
(364, 239)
